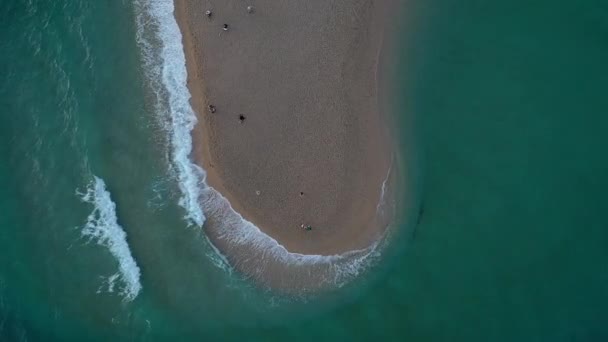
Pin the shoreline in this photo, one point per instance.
(370, 232)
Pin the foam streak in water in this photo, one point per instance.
(102, 226)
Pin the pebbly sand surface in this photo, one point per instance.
(303, 74)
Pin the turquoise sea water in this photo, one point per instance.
(507, 104)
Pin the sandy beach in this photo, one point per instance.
(313, 148)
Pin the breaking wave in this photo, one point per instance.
(165, 66)
(102, 227)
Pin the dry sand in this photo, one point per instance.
(303, 73)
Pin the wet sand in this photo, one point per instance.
(304, 76)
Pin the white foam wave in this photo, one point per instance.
(102, 227)
(262, 253)
(164, 60)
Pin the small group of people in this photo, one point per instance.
(213, 109)
(306, 227)
(209, 14)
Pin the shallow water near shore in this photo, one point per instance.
(508, 123)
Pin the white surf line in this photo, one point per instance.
(102, 227)
(239, 232)
(163, 56)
